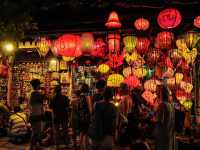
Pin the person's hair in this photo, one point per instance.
(124, 88)
(21, 99)
(17, 109)
(136, 98)
(100, 85)
(84, 88)
(58, 89)
(108, 93)
(35, 83)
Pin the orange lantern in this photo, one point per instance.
(113, 43)
(187, 87)
(151, 85)
(149, 97)
(43, 45)
(142, 45)
(169, 18)
(141, 24)
(87, 42)
(132, 81)
(197, 22)
(140, 72)
(99, 48)
(164, 40)
(68, 45)
(113, 21)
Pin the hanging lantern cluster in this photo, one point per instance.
(114, 80)
(43, 46)
(169, 18)
(164, 40)
(113, 21)
(87, 42)
(142, 45)
(141, 24)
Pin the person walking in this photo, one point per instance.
(36, 114)
(60, 107)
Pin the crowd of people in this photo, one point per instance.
(100, 121)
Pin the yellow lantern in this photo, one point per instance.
(67, 59)
(43, 46)
(187, 87)
(180, 43)
(189, 56)
(127, 71)
(151, 85)
(63, 65)
(140, 72)
(53, 65)
(178, 77)
(191, 39)
(171, 81)
(114, 80)
(130, 43)
(187, 104)
(103, 68)
(131, 57)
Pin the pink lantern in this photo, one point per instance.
(164, 40)
(113, 43)
(169, 18)
(68, 45)
(113, 21)
(87, 42)
(141, 24)
(197, 22)
(132, 81)
(99, 48)
(142, 45)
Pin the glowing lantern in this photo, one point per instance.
(158, 72)
(140, 72)
(3, 71)
(103, 68)
(67, 59)
(63, 65)
(168, 73)
(87, 42)
(54, 49)
(181, 95)
(187, 104)
(113, 21)
(141, 24)
(113, 43)
(130, 58)
(153, 56)
(187, 87)
(132, 81)
(171, 81)
(43, 45)
(191, 39)
(197, 22)
(151, 85)
(127, 71)
(175, 55)
(130, 43)
(188, 55)
(115, 61)
(180, 43)
(178, 77)
(114, 80)
(142, 45)
(99, 48)
(164, 40)
(68, 45)
(139, 62)
(149, 97)
(53, 65)
(169, 18)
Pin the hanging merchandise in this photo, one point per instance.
(169, 18)
(130, 43)
(114, 43)
(141, 24)
(43, 46)
(132, 81)
(191, 39)
(99, 48)
(103, 68)
(164, 40)
(175, 55)
(68, 45)
(87, 42)
(114, 80)
(113, 21)
(142, 45)
(149, 97)
(197, 22)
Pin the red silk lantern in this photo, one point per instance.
(141, 24)
(99, 48)
(169, 18)
(115, 61)
(113, 43)
(197, 22)
(132, 81)
(68, 45)
(153, 56)
(142, 45)
(164, 40)
(87, 42)
(113, 21)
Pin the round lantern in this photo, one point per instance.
(181, 95)
(187, 104)
(181, 44)
(153, 56)
(130, 58)
(141, 24)
(67, 59)
(130, 43)
(127, 71)
(187, 87)
(68, 45)
(149, 97)
(113, 43)
(54, 49)
(113, 21)
(197, 22)
(191, 39)
(169, 18)
(140, 72)
(87, 42)
(115, 61)
(178, 77)
(164, 40)
(43, 46)
(114, 80)
(103, 68)
(99, 48)
(151, 85)
(142, 45)
(132, 81)
(189, 56)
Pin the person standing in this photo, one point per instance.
(36, 114)
(60, 106)
(165, 128)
